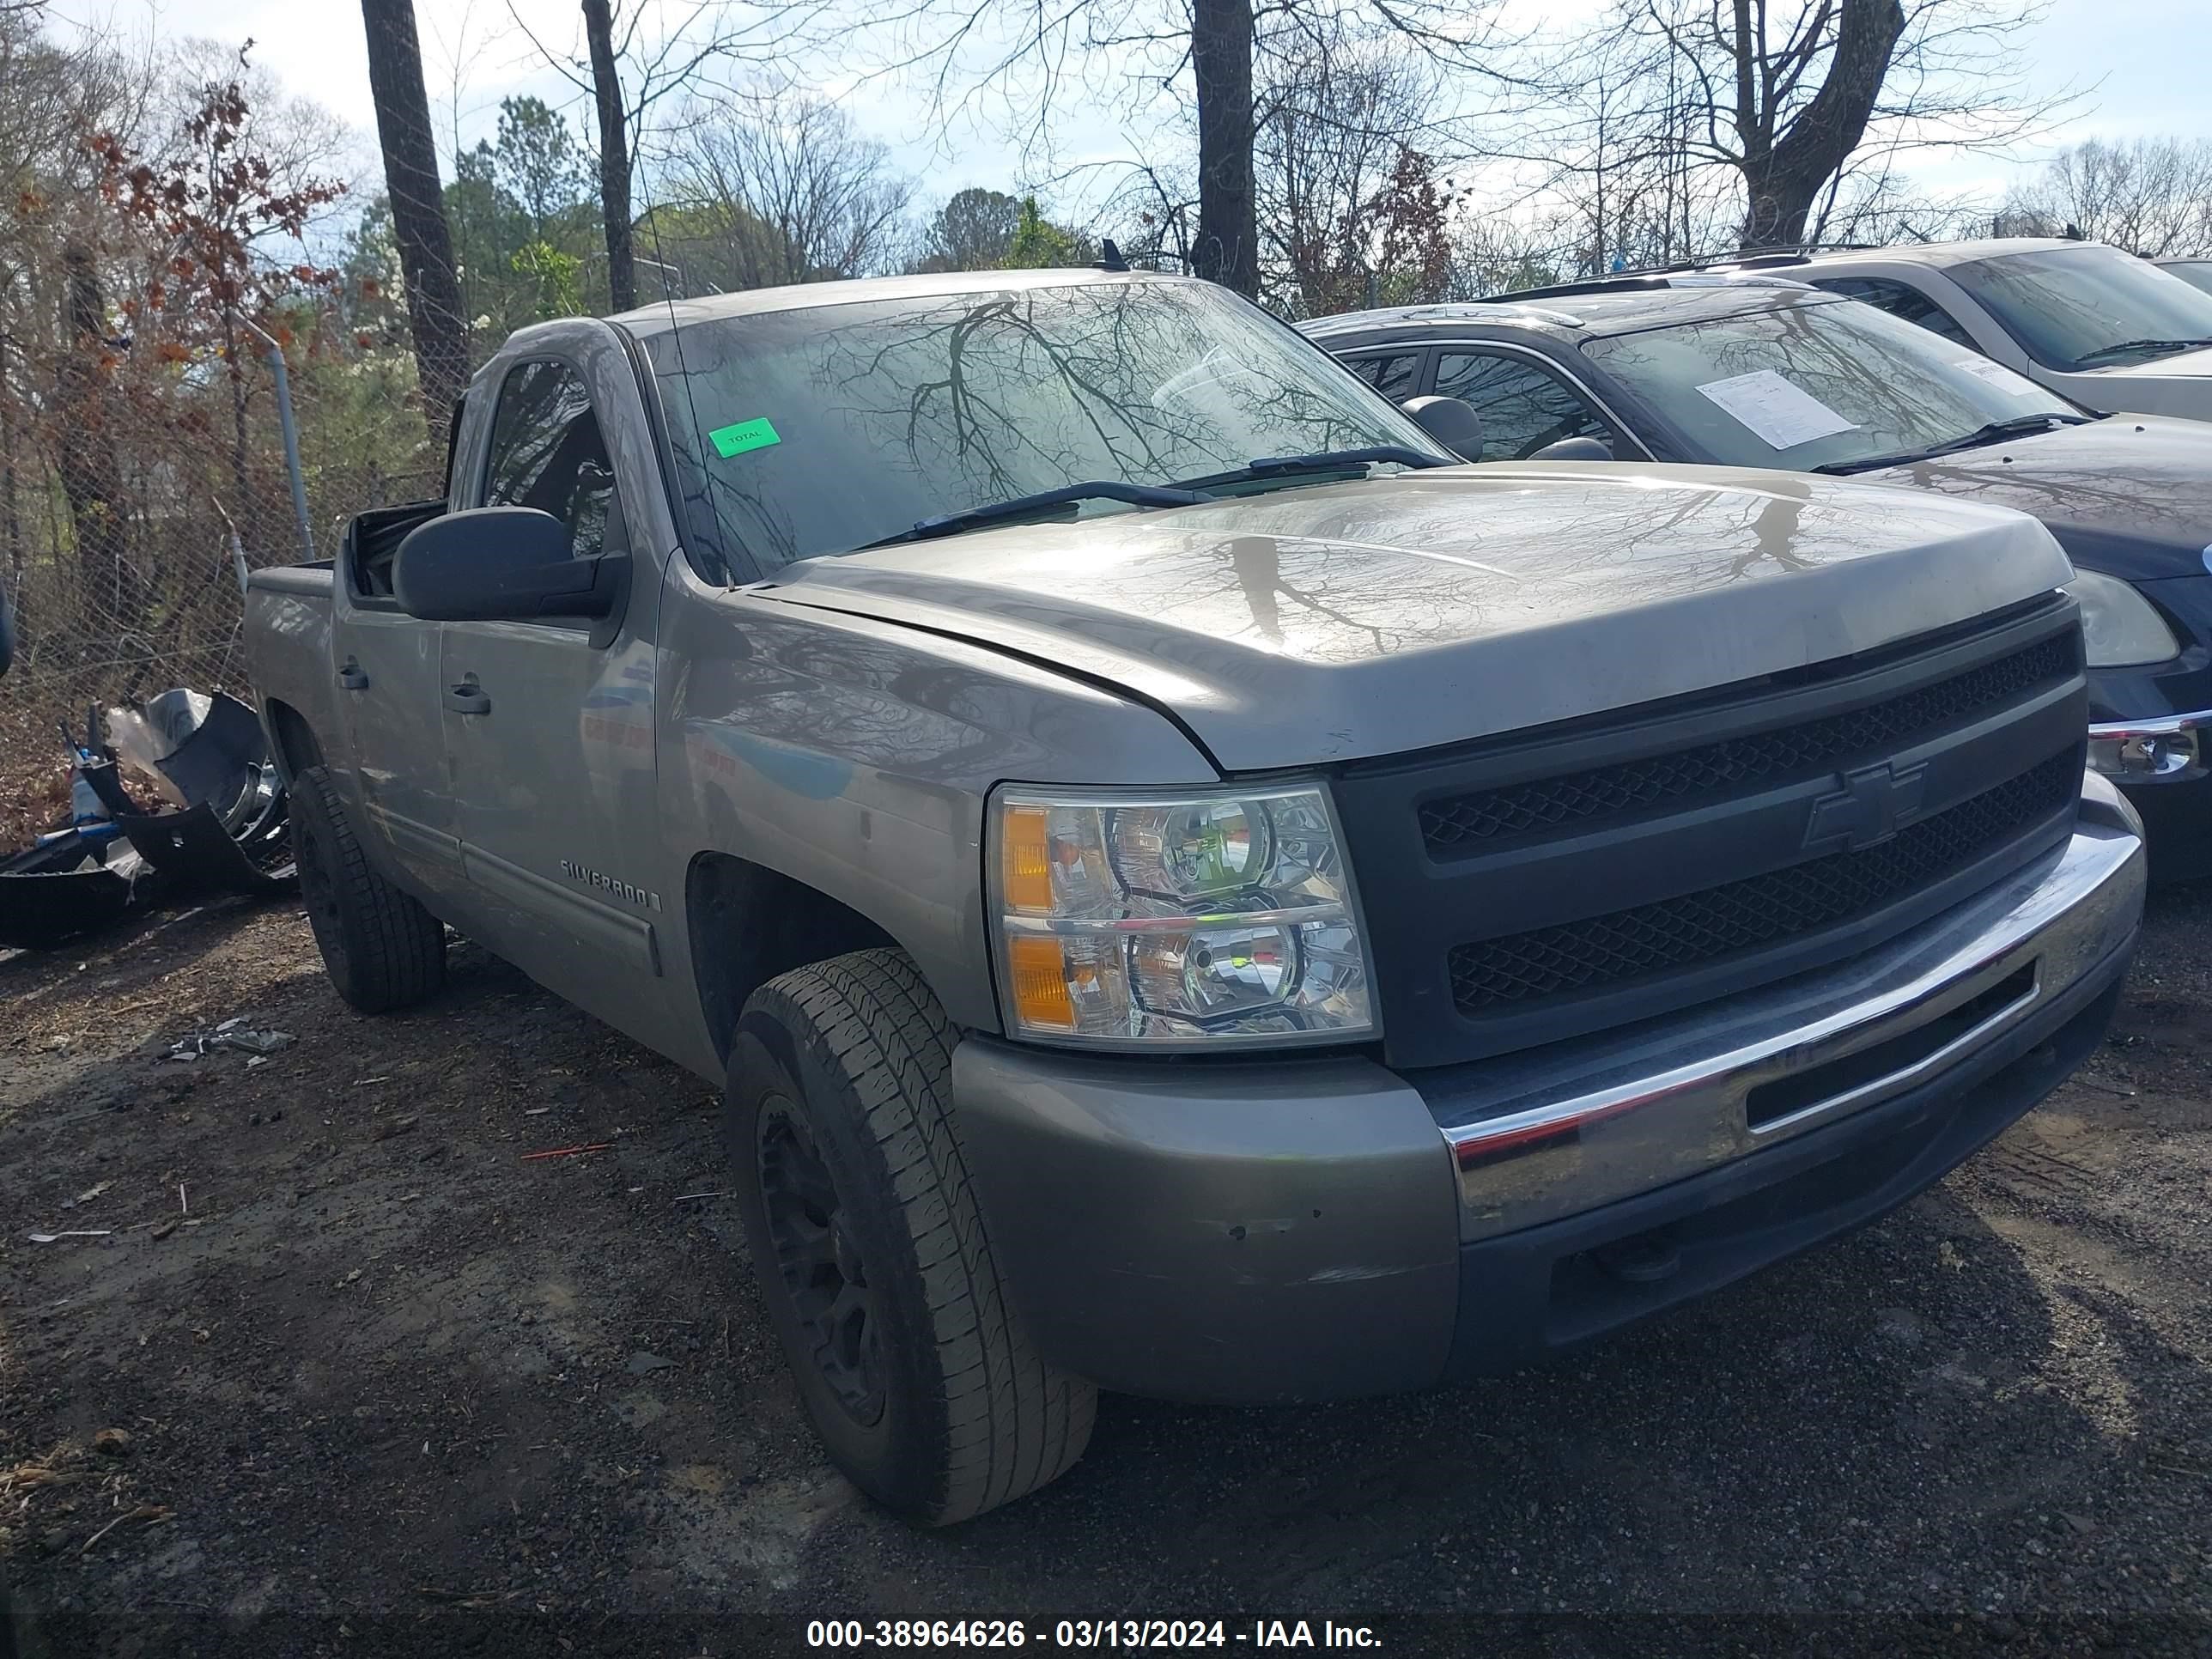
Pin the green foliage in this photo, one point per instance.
(1039, 244)
(525, 225)
(556, 274)
(539, 165)
(712, 246)
(973, 231)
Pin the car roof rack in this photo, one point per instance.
(1638, 278)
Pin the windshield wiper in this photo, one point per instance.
(2162, 348)
(1019, 506)
(1322, 460)
(2020, 426)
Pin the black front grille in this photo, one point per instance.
(1700, 928)
(1458, 826)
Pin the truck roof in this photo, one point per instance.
(661, 315)
(1568, 316)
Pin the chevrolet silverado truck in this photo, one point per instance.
(1185, 889)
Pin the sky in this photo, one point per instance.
(2138, 66)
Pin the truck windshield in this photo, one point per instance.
(818, 430)
(1814, 385)
(2090, 306)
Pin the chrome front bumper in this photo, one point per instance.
(1309, 1226)
(1566, 1128)
(2157, 749)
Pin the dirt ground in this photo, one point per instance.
(389, 1387)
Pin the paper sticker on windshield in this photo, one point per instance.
(730, 441)
(1982, 368)
(1779, 414)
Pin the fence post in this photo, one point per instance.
(291, 437)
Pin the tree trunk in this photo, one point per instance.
(614, 155)
(1783, 177)
(1227, 250)
(418, 206)
(107, 586)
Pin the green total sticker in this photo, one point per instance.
(730, 441)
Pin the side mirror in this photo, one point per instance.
(503, 564)
(1574, 449)
(1451, 421)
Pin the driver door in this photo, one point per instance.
(385, 665)
(548, 725)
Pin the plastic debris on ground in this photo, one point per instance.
(222, 823)
(233, 1034)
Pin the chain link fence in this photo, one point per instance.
(127, 511)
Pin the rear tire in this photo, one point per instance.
(382, 950)
(871, 1251)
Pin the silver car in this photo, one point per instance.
(2102, 327)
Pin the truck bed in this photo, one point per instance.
(288, 649)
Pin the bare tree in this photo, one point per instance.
(418, 208)
(1226, 248)
(1785, 96)
(1617, 156)
(765, 189)
(1023, 56)
(1356, 206)
(614, 154)
(2152, 196)
(632, 63)
(91, 480)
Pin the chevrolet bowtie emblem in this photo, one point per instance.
(1874, 802)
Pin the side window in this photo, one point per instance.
(1524, 407)
(1397, 376)
(1901, 299)
(547, 453)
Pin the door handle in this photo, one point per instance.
(467, 698)
(351, 677)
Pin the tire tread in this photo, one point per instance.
(1013, 1424)
(395, 950)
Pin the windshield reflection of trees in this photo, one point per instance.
(1420, 563)
(1897, 399)
(946, 402)
(2071, 477)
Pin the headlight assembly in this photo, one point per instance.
(2119, 627)
(1163, 920)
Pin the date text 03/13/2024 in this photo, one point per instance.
(1082, 1633)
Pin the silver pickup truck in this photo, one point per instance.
(1185, 889)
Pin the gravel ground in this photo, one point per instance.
(384, 1386)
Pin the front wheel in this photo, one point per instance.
(871, 1248)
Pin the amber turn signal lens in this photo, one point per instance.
(1028, 853)
(1039, 968)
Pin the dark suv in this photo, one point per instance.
(1760, 370)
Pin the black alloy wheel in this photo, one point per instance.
(820, 1263)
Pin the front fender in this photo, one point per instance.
(854, 757)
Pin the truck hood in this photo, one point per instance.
(2130, 495)
(2180, 385)
(2181, 366)
(1336, 622)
